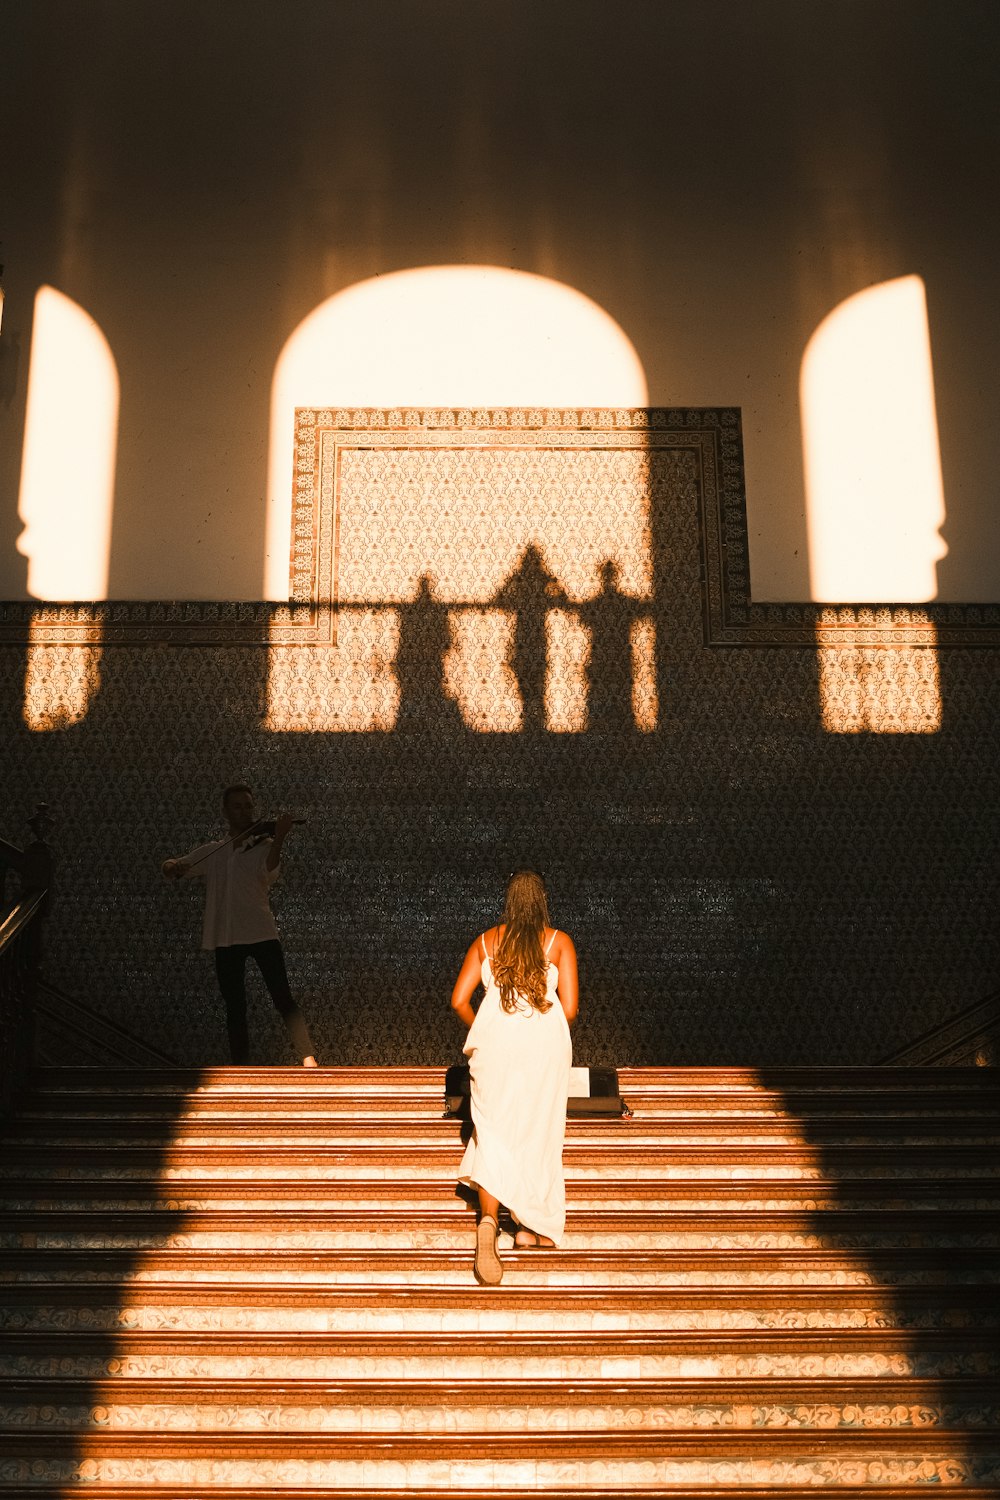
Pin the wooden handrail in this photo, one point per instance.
(19, 917)
(20, 952)
(970, 1038)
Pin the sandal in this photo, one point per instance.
(488, 1269)
(535, 1242)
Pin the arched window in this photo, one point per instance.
(459, 337)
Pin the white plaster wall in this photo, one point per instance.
(717, 175)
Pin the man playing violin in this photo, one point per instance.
(238, 872)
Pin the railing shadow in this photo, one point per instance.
(906, 1193)
(84, 1204)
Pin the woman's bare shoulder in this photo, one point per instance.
(490, 937)
(561, 943)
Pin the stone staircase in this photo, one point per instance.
(245, 1281)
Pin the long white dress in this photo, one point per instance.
(519, 1064)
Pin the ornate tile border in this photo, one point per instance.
(730, 616)
(137, 623)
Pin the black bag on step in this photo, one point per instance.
(602, 1095)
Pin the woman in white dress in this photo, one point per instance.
(519, 1055)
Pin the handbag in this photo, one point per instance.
(592, 1091)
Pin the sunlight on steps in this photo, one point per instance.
(246, 1280)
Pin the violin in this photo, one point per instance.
(264, 828)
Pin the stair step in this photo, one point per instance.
(171, 1489)
(647, 1104)
(516, 1304)
(234, 1131)
(501, 1406)
(632, 1161)
(790, 1269)
(365, 1082)
(110, 1194)
(453, 1353)
(499, 1461)
(437, 1226)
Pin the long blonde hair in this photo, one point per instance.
(519, 964)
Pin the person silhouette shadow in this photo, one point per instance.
(424, 640)
(608, 616)
(530, 592)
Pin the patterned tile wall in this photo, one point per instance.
(744, 885)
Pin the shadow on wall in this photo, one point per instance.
(719, 868)
(483, 336)
(688, 824)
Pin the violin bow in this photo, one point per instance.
(246, 832)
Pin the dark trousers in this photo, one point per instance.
(230, 969)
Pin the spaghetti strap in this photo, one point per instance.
(548, 945)
(482, 939)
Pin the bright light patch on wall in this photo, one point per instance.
(512, 541)
(875, 497)
(645, 699)
(487, 526)
(870, 690)
(59, 684)
(353, 689)
(478, 673)
(68, 470)
(567, 657)
(442, 336)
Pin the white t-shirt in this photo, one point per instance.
(237, 882)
